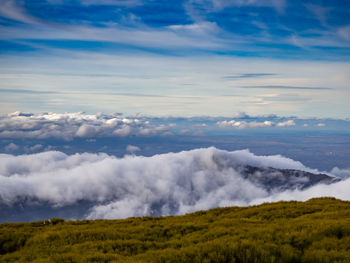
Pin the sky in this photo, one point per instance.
(176, 58)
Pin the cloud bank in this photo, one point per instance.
(67, 126)
(253, 124)
(74, 125)
(166, 184)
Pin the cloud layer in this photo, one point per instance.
(67, 126)
(253, 124)
(167, 184)
(70, 125)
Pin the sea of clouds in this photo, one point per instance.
(165, 184)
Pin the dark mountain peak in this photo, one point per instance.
(283, 179)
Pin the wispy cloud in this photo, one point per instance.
(27, 91)
(285, 87)
(13, 10)
(212, 35)
(249, 75)
(288, 97)
(126, 94)
(217, 5)
(108, 81)
(126, 3)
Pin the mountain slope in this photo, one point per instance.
(314, 231)
(283, 179)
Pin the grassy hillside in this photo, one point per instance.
(314, 231)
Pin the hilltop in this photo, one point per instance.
(314, 231)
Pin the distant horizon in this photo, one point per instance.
(234, 115)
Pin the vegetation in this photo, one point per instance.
(314, 231)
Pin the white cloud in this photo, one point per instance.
(341, 173)
(132, 148)
(287, 123)
(11, 147)
(12, 10)
(253, 124)
(69, 125)
(241, 115)
(123, 131)
(244, 124)
(216, 5)
(87, 131)
(36, 147)
(185, 132)
(197, 28)
(338, 190)
(127, 3)
(200, 125)
(173, 183)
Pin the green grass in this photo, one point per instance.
(314, 231)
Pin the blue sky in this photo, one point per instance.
(179, 58)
